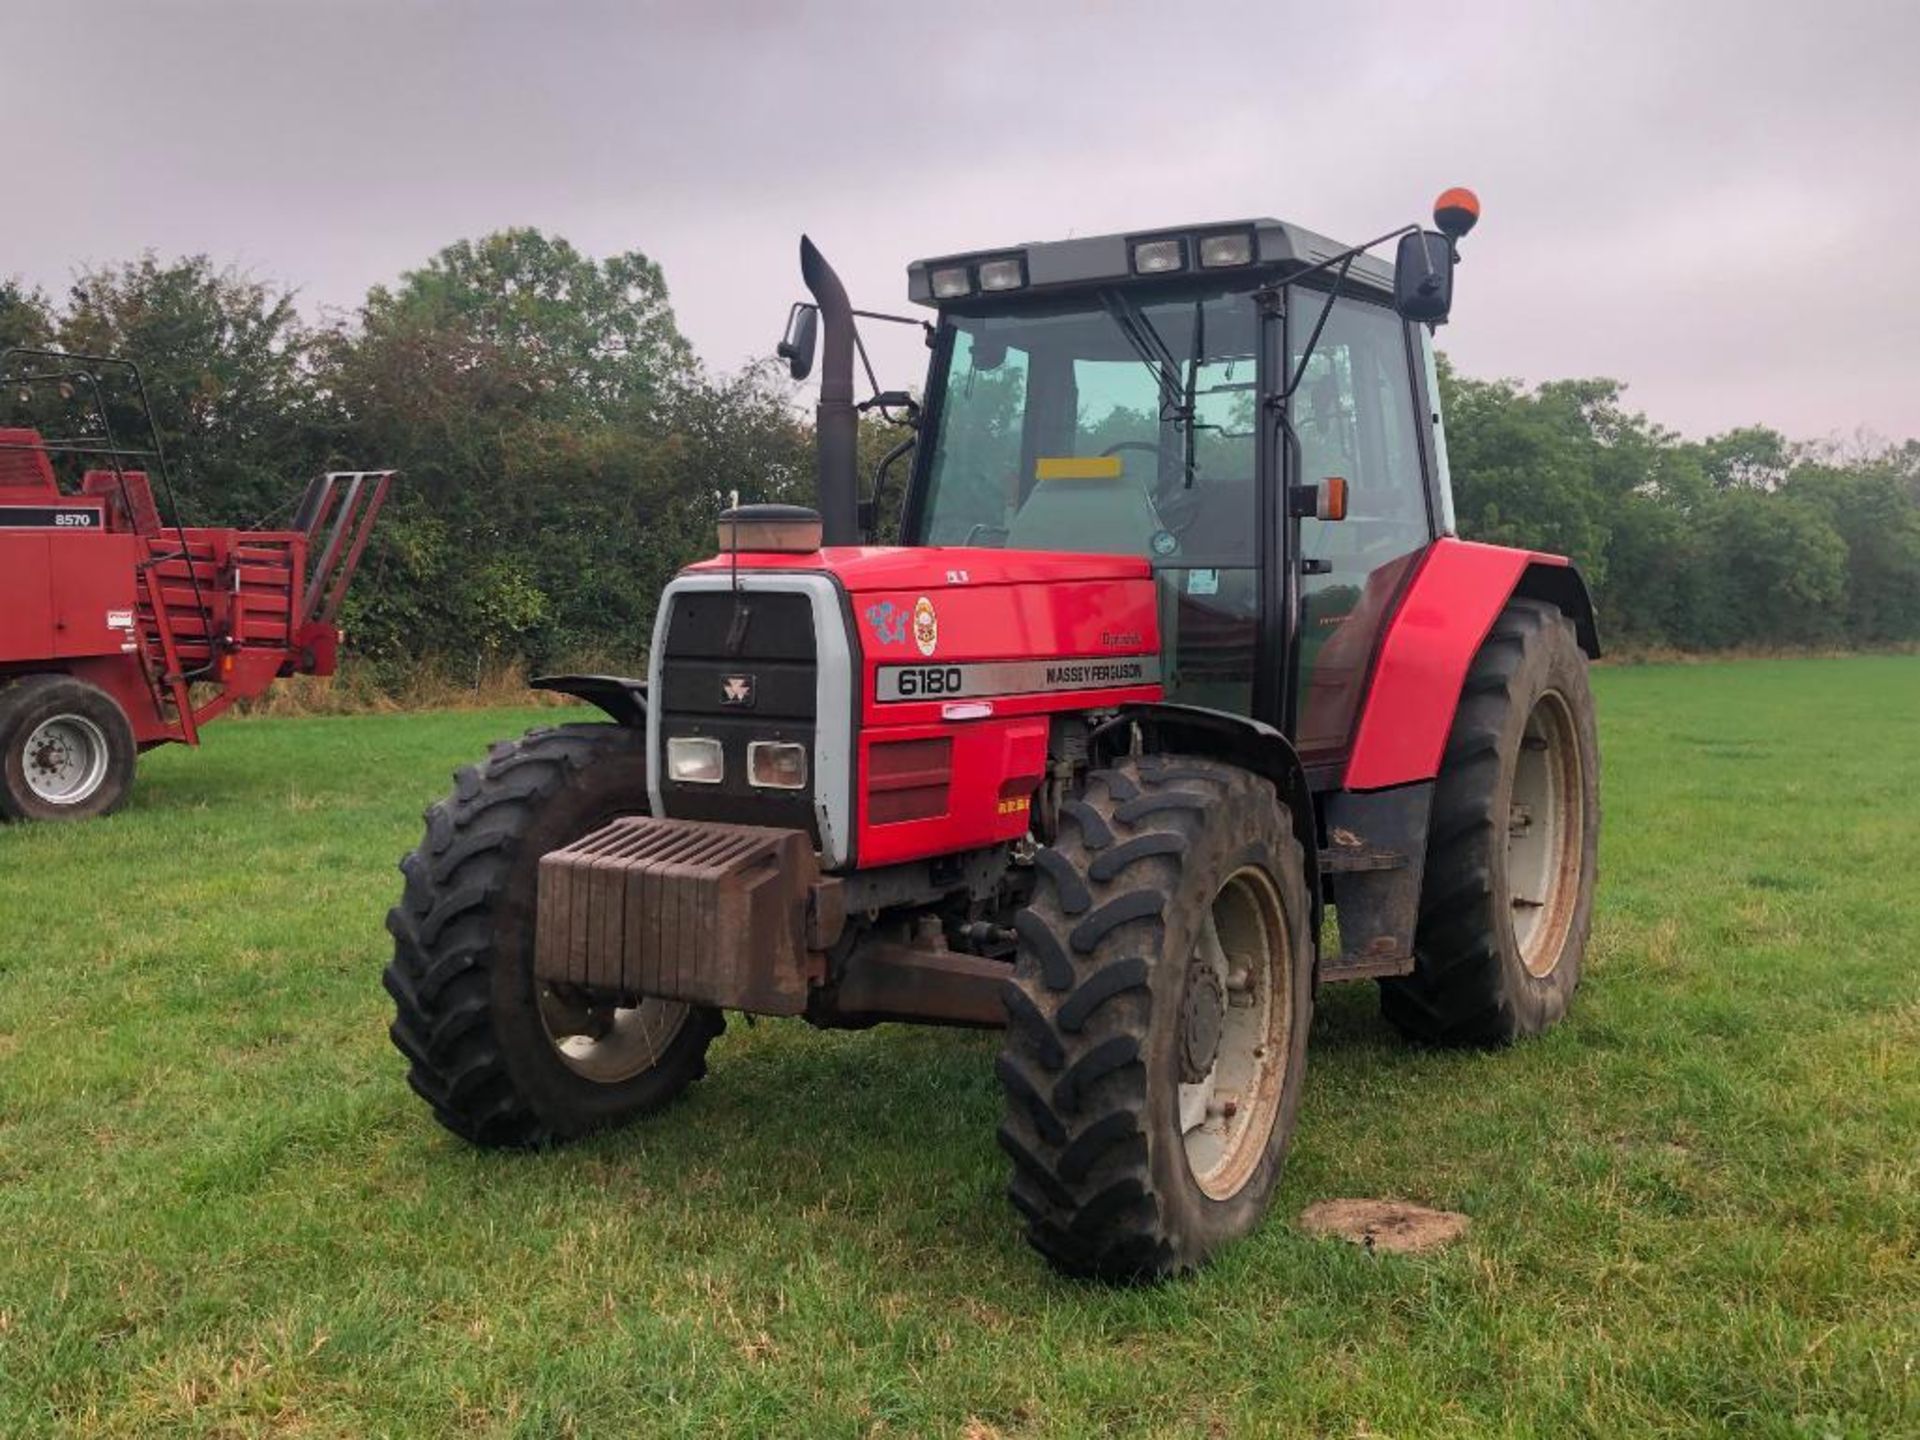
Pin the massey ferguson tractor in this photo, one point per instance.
(120, 631)
(1178, 661)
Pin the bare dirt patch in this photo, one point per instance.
(1391, 1225)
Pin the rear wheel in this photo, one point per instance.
(1158, 1014)
(1507, 902)
(67, 750)
(501, 1058)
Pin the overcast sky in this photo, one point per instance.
(1715, 203)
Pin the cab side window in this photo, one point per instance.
(1354, 416)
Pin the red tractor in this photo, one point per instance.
(1178, 660)
(120, 631)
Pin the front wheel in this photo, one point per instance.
(67, 750)
(1158, 1018)
(503, 1059)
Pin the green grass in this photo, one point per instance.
(1696, 1205)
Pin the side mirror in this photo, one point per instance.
(797, 345)
(1423, 276)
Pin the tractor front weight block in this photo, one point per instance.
(698, 911)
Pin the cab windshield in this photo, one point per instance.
(1109, 425)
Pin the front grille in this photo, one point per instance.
(739, 667)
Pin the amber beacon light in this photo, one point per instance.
(1456, 211)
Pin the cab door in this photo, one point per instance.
(1354, 415)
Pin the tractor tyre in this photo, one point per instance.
(67, 750)
(502, 1059)
(1157, 1019)
(1507, 902)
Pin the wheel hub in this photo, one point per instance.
(65, 759)
(609, 1043)
(1545, 834)
(1202, 1010)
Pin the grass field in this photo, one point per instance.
(1696, 1205)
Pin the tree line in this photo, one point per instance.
(564, 452)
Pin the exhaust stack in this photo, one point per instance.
(836, 423)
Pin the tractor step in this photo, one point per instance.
(1359, 858)
(1380, 962)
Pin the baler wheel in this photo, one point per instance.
(502, 1061)
(67, 750)
(1507, 902)
(1158, 1016)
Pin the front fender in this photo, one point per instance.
(1235, 739)
(622, 698)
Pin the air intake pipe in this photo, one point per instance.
(836, 423)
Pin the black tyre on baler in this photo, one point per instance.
(67, 750)
(503, 1060)
(1158, 1016)
(1507, 902)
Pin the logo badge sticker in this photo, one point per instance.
(737, 690)
(889, 623)
(926, 626)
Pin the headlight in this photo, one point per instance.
(951, 284)
(1159, 257)
(1233, 248)
(1007, 274)
(777, 765)
(695, 760)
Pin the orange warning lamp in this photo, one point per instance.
(1455, 212)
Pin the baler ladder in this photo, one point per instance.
(340, 505)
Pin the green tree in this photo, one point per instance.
(24, 316)
(561, 452)
(225, 359)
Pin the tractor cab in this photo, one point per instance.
(1200, 398)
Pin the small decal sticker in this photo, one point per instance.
(889, 623)
(1016, 805)
(120, 619)
(1203, 582)
(926, 626)
(737, 690)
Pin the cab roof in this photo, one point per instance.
(1279, 248)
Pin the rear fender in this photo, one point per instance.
(622, 698)
(1233, 739)
(1449, 607)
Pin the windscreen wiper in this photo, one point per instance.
(1153, 353)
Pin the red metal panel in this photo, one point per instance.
(1447, 610)
(27, 471)
(120, 677)
(955, 606)
(26, 595)
(92, 594)
(996, 766)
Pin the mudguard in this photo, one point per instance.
(1447, 610)
(622, 698)
(1235, 739)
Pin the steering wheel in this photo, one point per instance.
(1154, 497)
(1174, 512)
(1146, 445)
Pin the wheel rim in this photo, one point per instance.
(1545, 832)
(610, 1043)
(1242, 954)
(65, 760)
